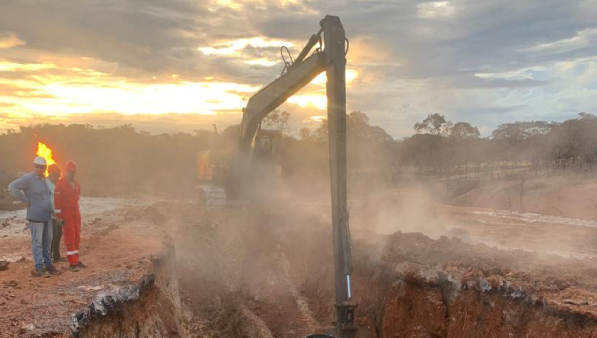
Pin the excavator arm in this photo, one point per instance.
(332, 60)
(276, 93)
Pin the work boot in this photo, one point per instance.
(52, 270)
(81, 265)
(40, 273)
(73, 268)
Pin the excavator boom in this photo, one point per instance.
(273, 95)
(332, 60)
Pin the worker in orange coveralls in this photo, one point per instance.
(66, 200)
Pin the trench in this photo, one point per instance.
(233, 276)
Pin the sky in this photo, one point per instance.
(167, 66)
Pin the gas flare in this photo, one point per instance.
(44, 151)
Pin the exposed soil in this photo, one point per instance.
(568, 195)
(118, 253)
(275, 266)
(176, 270)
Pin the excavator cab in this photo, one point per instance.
(216, 183)
(267, 151)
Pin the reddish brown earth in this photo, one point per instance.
(566, 195)
(118, 252)
(267, 272)
(407, 285)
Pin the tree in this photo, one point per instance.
(587, 116)
(277, 120)
(306, 134)
(358, 129)
(434, 124)
(575, 140)
(464, 130)
(518, 131)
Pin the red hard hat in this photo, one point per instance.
(54, 168)
(70, 166)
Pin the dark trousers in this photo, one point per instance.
(57, 235)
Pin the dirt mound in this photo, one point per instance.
(567, 195)
(543, 274)
(446, 288)
(272, 268)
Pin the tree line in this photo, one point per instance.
(111, 160)
(440, 145)
(123, 159)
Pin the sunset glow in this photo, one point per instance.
(86, 90)
(54, 88)
(164, 66)
(235, 46)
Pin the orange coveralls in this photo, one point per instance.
(66, 201)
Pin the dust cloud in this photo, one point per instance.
(450, 204)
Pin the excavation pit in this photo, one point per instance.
(268, 273)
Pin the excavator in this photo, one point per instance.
(324, 52)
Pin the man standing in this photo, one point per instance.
(33, 190)
(66, 198)
(53, 176)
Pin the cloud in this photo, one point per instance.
(434, 10)
(233, 47)
(411, 57)
(147, 35)
(10, 40)
(582, 39)
(12, 90)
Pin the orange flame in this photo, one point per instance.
(45, 152)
